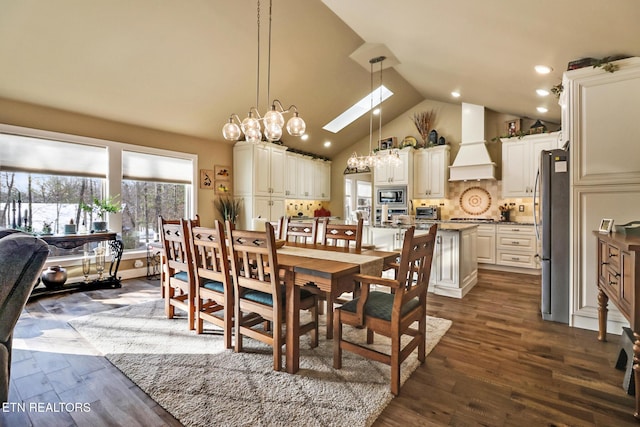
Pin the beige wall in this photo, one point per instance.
(210, 152)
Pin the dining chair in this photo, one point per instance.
(163, 264)
(391, 314)
(300, 231)
(259, 292)
(278, 227)
(179, 281)
(342, 234)
(214, 289)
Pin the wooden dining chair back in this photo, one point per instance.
(179, 280)
(299, 231)
(163, 258)
(345, 235)
(259, 293)
(214, 289)
(278, 227)
(391, 314)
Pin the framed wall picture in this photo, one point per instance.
(513, 127)
(206, 179)
(222, 187)
(388, 143)
(606, 225)
(222, 172)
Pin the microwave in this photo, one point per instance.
(428, 212)
(391, 196)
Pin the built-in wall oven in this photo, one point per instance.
(392, 196)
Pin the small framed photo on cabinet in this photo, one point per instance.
(606, 225)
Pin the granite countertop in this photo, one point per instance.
(442, 226)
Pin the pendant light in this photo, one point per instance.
(273, 120)
(372, 159)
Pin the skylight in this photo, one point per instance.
(359, 109)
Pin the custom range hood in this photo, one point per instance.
(473, 161)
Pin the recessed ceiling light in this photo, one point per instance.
(455, 94)
(542, 109)
(327, 143)
(304, 137)
(542, 92)
(543, 69)
(376, 111)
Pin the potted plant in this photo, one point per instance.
(228, 207)
(101, 207)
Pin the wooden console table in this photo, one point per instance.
(71, 241)
(618, 275)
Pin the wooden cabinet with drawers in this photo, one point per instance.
(516, 246)
(618, 271)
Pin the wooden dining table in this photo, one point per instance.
(320, 266)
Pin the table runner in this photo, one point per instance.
(371, 265)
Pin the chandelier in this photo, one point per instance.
(273, 120)
(391, 156)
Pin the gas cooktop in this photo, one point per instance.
(473, 219)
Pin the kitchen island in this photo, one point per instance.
(454, 270)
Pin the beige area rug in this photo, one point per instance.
(202, 384)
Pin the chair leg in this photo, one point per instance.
(422, 328)
(238, 318)
(316, 330)
(228, 323)
(369, 336)
(277, 346)
(337, 333)
(395, 365)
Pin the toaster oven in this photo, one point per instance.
(428, 212)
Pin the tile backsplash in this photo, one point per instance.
(307, 207)
(451, 207)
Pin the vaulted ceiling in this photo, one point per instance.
(185, 66)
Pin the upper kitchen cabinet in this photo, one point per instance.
(387, 174)
(259, 169)
(307, 178)
(431, 172)
(520, 160)
(602, 113)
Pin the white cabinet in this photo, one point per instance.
(292, 186)
(259, 169)
(431, 173)
(454, 271)
(486, 246)
(603, 110)
(520, 160)
(259, 181)
(516, 246)
(386, 173)
(321, 180)
(307, 178)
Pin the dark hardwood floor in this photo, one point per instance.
(499, 365)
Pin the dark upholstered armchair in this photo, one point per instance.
(21, 259)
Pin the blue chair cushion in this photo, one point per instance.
(181, 275)
(214, 285)
(267, 299)
(379, 305)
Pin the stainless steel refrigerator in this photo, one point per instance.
(552, 228)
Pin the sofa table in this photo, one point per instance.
(71, 241)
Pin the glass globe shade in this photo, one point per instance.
(249, 123)
(273, 132)
(296, 126)
(273, 117)
(231, 131)
(253, 135)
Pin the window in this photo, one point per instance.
(44, 176)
